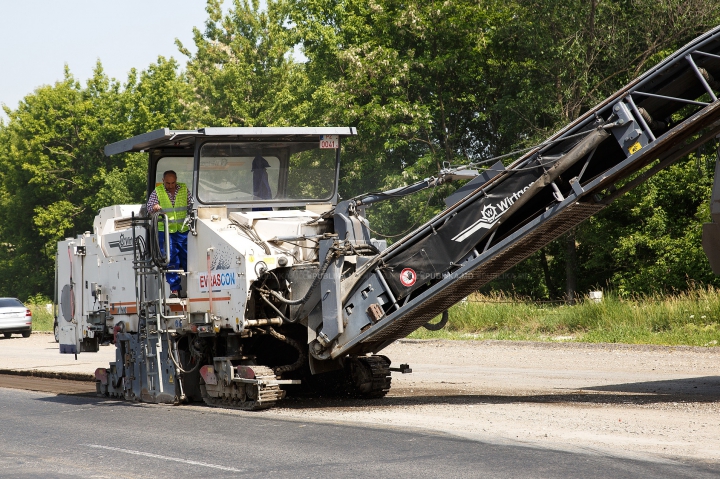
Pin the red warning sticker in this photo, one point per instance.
(408, 277)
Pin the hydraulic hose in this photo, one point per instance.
(365, 248)
(332, 252)
(301, 353)
(267, 301)
(252, 235)
(439, 325)
(176, 361)
(323, 269)
(155, 251)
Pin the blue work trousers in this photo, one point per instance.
(178, 257)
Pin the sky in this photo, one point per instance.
(39, 37)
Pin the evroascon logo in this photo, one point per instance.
(218, 280)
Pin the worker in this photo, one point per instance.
(261, 183)
(173, 199)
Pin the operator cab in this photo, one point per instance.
(246, 168)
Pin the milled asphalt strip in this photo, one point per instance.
(36, 373)
(166, 458)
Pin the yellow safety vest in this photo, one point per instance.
(176, 214)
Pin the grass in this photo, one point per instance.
(42, 318)
(691, 318)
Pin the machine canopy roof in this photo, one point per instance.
(166, 138)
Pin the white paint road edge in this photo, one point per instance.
(166, 458)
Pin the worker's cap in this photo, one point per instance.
(259, 163)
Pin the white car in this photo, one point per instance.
(14, 318)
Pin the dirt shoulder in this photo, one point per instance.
(629, 400)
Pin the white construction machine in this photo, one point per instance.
(286, 289)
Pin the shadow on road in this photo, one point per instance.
(690, 390)
(686, 390)
(708, 385)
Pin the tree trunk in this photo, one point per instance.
(570, 267)
(546, 271)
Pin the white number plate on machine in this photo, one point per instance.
(329, 141)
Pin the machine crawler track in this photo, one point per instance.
(369, 376)
(244, 397)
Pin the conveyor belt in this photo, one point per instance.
(538, 232)
(471, 281)
(662, 115)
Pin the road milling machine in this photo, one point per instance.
(286, 288)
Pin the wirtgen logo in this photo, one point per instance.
(124, 244)
(490, 215)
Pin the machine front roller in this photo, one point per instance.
(245, 396)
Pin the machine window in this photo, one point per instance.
(252, 172)
(182, 165)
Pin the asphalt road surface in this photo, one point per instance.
(76, 435)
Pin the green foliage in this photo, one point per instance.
(650, 240)
(424, 82)
(42, 319)
(410, 77)
(38, 300)
(54, 175)
(550, 63)
(243, 73)
(51, 163)
(691, 318)
(161, 97)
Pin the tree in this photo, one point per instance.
(409, 75)
(51, 163)
(425, 83)
(243, 73)
(650, 240)
(54, 175)
(158, 97)
(553, 62)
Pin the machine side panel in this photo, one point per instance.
(223, 289)
(69, 294)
